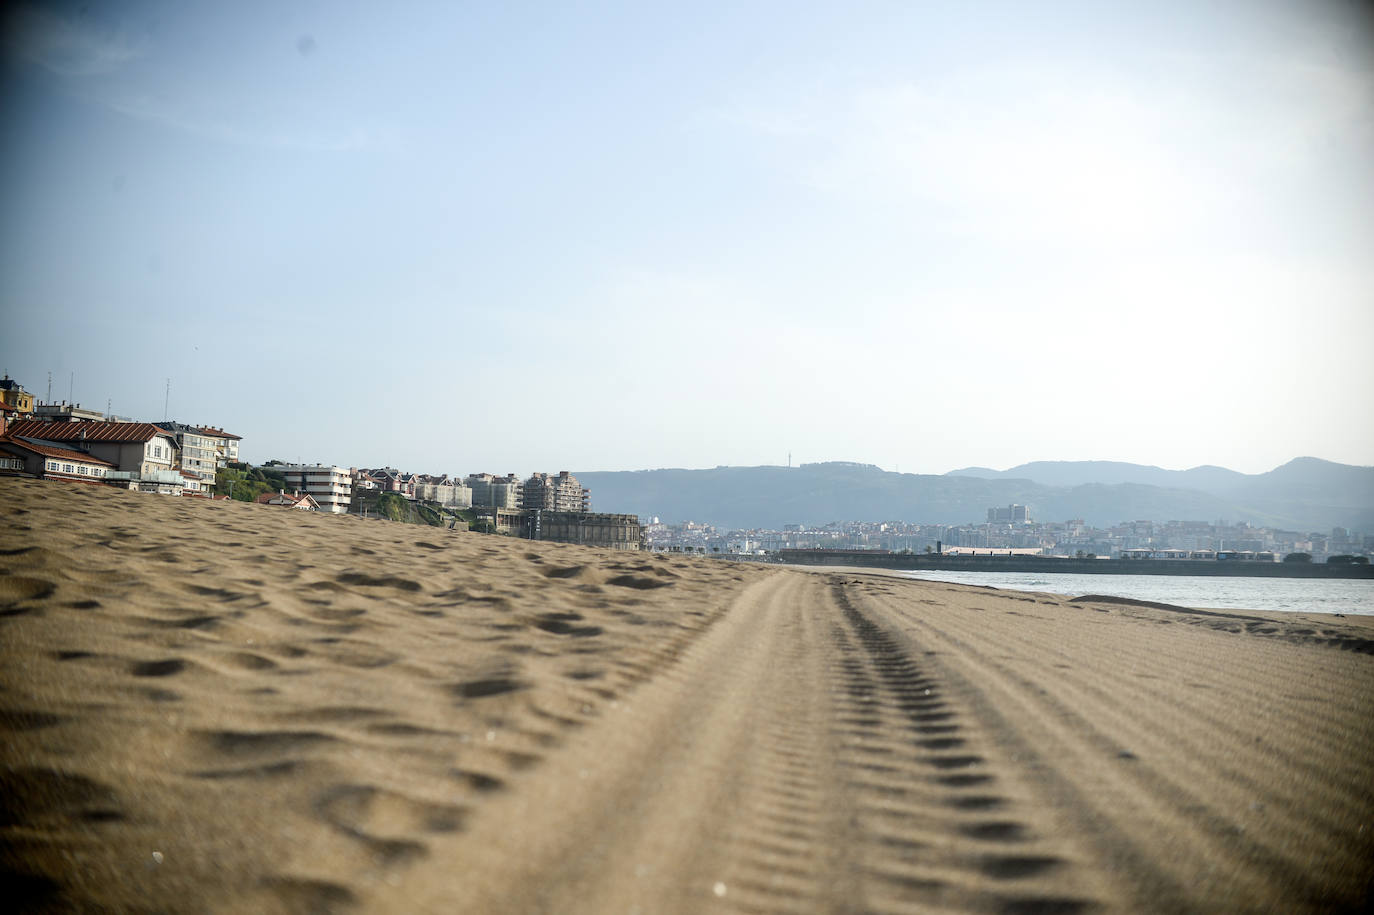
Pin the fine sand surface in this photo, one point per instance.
(212, 707)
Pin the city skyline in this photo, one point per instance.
(613, 238)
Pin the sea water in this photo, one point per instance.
(1301, 595)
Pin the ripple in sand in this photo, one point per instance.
(492, 686)
(163, 668)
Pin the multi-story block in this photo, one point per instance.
(331, 487)
(490, 491)
(199, 452)
(447, 492)
(561, 493)
(226, 445)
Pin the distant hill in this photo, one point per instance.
(1307, 494)
(1079, 473)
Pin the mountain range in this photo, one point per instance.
(1305, 494)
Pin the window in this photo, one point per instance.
(81, 470)
(52, 465)
(67, 468)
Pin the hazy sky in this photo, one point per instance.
(459, 237)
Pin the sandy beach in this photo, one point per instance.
(222, 707)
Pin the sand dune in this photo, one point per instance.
(214, 707)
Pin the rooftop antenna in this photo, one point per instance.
(71, 388)
(789, 460)
(49, 387)
(165, 398)
(107, 408)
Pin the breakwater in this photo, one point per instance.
(880, 559)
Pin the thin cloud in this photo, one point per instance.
(169, 113)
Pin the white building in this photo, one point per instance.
(331, 487)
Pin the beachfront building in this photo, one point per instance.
(331, 487)
(139, 449)
(609, 531)
(560, 493)
(490, 491)
(46, 461)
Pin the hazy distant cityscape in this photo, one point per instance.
(1026, 537)
(63, 441)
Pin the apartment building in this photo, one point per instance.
(556, 493)
(490, 491)
(331, 487)
(442, 489)
(226, 444)
(199, 452)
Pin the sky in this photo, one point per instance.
(455, 238)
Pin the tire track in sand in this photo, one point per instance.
(795, 758)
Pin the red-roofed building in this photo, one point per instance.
(137, 448)
(21, 457)
(283, 498)
(226, 444)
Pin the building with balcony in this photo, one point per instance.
(331, 487)
(199, 452)
(560, 493)
(226, 445)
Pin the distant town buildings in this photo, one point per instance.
(1012, 514)
(68, 443)
(1129, 539)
